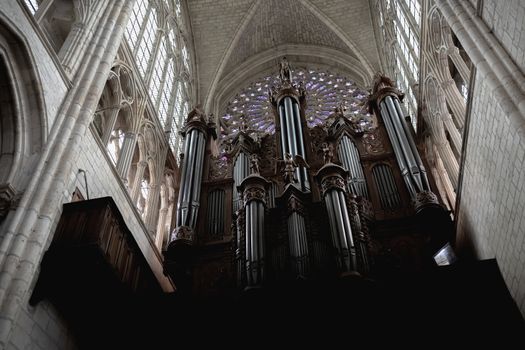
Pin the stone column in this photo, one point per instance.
(137, 181)
(25, 236)
(87, 13)
(153, 208)
(126, 155)
(111, 120)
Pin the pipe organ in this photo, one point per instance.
(264, 220)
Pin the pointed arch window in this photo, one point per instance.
(156, 36)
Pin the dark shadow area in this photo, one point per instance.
(467, 302)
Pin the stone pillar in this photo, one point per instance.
(153, 208)
(87, 13)
(110, 125)
(126, 155)
(332, 180)
(25, 236)
(137, 181)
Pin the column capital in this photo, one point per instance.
(254, 187)
(331, 176)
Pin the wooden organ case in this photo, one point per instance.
(347, 198)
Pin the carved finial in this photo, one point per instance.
(381, 86)
(197, 114)
(381, 81)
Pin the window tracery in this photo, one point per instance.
(325, 90)
(155, 34)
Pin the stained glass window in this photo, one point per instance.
(166, 67)
(325, 91)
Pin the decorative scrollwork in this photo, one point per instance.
(373, 142)
(295, 205)
(182, 233)
(334, 181)
(220, 167)
(425, 198)
(254, 193)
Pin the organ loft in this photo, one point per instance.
(261, 171)
(348, 197)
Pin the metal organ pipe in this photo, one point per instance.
(298, 243)
(301, 147)
(349, 156)
(196, 185)
(331, 179)
(254, 193)
(292, 139)
(240, 171)
(215, 213)
(385, 183)
(284, 139)
(405, 150)
(189, 193)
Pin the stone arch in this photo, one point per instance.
(265, 62)
(22, 116)
(436, 118)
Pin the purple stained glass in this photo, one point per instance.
(325, 90)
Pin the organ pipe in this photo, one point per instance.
(385, 103)
(349, 156)
(240, 171)
(331, 178)
(195, 132)
(254, 189)
(216, 213)
(297, 232)
(386, 187)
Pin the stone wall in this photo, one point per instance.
(41, 327)
(491, 220)
(491, 216)
(506, 20)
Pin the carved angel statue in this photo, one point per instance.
(284, 72)
(288, 166)
(328, 152)
(254, 164)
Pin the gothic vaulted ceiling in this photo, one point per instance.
(234, 37)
